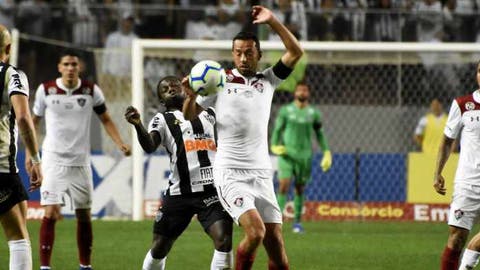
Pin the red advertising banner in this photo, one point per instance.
(340, 211)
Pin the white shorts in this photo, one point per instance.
(241, 190)
(465, 206)
(74, 181)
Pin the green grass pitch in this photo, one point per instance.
(121, 245)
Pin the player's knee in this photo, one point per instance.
(160, 247)
(457, 238)
(256, 234)
(223, 243)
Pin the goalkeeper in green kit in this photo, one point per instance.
(292, 142)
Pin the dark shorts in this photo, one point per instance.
(177, 212)
(12, 191)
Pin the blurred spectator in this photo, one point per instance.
(429, 130)
(7, 12)
(158, 20)
(382, 22)
(467, 11)
(208, 28)
(33, 17)
(116, 59)
(451, 20)
(84, 23)
(430, 24)
(292, 15)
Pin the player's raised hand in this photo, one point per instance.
(132, 116)
(261, 14)
(187, 89)
(36, 177)
(439, 184)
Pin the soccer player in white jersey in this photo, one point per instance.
(242, 168)
(191, 146)
(67, 104)
(464, 121)
(15, 118)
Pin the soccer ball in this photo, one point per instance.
(207, 77)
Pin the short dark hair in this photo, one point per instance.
(166, 78)
(67, 52)
(245, 35)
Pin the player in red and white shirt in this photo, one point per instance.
(463, 120)
(242, 168)
(67, 104)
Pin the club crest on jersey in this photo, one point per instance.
(458, 214)
(238, 202)
(469, 106)
(259, 87)
(86, 91)
(81, 101)
(52, 90)
(230, 77)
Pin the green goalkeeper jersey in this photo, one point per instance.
(294, 128)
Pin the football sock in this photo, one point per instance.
(282, 200)
(469, 259)
(297, 206)
(244, 261)
(20, 254)
(150, 263)
(84, 241)
(221, 260)
(450, 259)
(271, 266)
(47, 237)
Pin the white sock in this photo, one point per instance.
(469, 259)
(150, 263)
(222, 260)
(20, 255)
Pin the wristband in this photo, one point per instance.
(36, 158)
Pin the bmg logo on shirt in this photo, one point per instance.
(200, 144)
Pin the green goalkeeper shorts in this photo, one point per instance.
(298, 170)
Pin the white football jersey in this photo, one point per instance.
(243, 111)
(12, 81)
(68, 114)
(464, 117)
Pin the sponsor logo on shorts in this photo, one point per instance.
(5, 194)
(49, 196)
(210, 200)
(158, 216)
(238, 202)
(458, 214)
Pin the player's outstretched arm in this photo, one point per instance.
(27, 133)
(190, 109)
(261, 15)
(112, 131)
(149, 142)
(446, 147)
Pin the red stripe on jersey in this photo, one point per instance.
(231, 78)
(85, 89)
(467, 103)
(51, 88)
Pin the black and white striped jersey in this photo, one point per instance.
(12, 82)
(191, 146)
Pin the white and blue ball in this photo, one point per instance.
(207, 77)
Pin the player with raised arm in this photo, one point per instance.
(242, 169)
(67, 104)
(464, 121)
(14, 119)
(292, 141)
(191, 146)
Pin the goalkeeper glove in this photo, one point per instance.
(278, 150)
(326, 162)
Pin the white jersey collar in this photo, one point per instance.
(476, 95)
(63, 87)
(237, 74)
